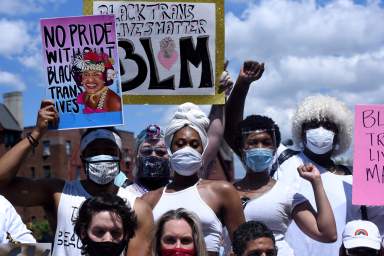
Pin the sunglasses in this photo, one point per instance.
(147, 151)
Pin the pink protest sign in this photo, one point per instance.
(81, 64)
(368, 160)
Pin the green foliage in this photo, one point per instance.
(41, 230)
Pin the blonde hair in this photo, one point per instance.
(193, 221)
(322, 107)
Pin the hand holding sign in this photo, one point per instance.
(226, 82)
(251, 71)
(46, 115)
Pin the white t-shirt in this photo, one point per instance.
(339, 192)
(274, 209)
(74, 194)
(11, 222)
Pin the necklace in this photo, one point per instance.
(100, 105)
(92, 97)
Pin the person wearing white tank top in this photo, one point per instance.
(276, 203)
(100, 155)
(215, 202)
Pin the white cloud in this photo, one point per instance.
(11, 80)
(14, 38)
(275, 28)
(336, 49)
(33, 61)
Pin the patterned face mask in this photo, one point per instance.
(102, 169)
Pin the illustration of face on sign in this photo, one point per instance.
(167, 55)
(94, 72)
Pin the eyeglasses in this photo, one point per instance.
(362, 251)
(147, 151)
(173, 240)
(270, 252)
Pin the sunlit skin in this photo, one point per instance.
(106, 226)
(263, 245)
(93, 81)
(177, 234)
(186, 136)
(155, 147)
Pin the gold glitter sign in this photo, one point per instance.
(170, 52)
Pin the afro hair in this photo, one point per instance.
(322, 107)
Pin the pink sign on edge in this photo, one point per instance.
(368, 157)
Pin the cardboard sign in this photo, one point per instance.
(81, 64)
(368, 161)
(170, 52)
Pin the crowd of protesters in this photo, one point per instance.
(170, 208)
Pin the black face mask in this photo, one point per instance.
(153, 167)
(105, 248)
(153, 172)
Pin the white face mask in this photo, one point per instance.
(319, 140)
(186, 161)
(102, 169)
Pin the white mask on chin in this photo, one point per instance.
(319, 140)
(102, 169)
(186, 161)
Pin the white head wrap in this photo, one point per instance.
(320, 107)
(187, 114)
(100, 134)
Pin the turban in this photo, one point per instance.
(187, 114)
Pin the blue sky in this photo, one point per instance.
(334, 47)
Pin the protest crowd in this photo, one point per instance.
(169, 208)
(293, 200)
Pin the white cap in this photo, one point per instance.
(361, 233)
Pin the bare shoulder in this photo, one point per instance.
(152, 197)
(142, 208)
(218, 186)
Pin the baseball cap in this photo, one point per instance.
(361, 233)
